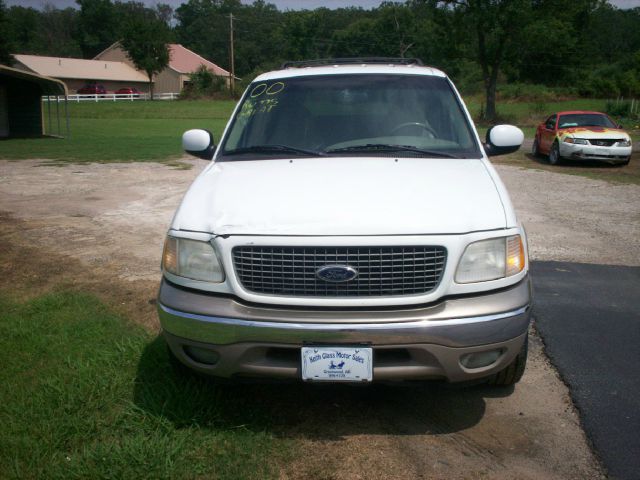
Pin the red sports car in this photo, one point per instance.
(582, 135)
(92, 89)
(128, 91)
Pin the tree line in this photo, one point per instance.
(579, 47)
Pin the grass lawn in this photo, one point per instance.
(151, 131)
(86, 394)
(124, 131)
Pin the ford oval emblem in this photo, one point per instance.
(336, 273)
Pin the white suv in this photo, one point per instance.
(350, 227)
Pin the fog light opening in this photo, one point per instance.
(202, 355)
(480, 359)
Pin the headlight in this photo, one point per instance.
(491, 259)
(192, 259)
(625, 143)
(576, 141)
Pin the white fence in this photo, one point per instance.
(113, 97)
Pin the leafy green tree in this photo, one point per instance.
(165, 13)
(5, 46)
(203, 26)
(55, 29)
(22, 28)
(494, 25)
(97, 26)
(145, 40)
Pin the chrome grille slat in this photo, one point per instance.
(382, 271)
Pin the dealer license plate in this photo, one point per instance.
(337, 364)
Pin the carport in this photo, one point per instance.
(22, 110)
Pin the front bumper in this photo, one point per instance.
(592, 152)
(411, 343)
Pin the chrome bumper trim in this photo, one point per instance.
(456, 332)
(339, 327)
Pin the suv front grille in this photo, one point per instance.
(382, 271)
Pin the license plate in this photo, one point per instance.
(337, 364)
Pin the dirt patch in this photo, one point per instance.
(96, 227)
(438, 432)
(27, 271)
(629, 174)
(570, 218)
(101, 228)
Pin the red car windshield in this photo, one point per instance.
(585, 120)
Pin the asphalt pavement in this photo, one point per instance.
(589, 319)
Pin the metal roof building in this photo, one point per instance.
(21, 107)
(182, 62)
(76, 72)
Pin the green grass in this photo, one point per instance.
(529, 114)
(151, 131)
(86, 394)
(124, 131)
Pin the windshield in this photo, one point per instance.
(585, 120)
(399, 115)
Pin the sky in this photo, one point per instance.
(281, 4)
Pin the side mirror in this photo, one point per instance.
(620, 126)
(198, 143)
(503, 139)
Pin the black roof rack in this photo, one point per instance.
(352, 61)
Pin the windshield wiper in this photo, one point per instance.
(384, 147)
(273, 149)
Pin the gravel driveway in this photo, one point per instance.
(110, 220)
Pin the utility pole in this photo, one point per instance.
(232, 77)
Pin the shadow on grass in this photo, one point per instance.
(297, 410)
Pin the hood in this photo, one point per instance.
(595, 132)
(342, 196)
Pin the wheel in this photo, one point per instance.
(514, 371)
(423, 126)
(535, 150)
(626, 162)
(554, 154)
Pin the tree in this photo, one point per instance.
(54, 32)
(5, 46)
(145, 40)
(165, 13)
(22, 27)
(494, 24)
(97, 26)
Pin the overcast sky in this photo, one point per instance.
(281, 4)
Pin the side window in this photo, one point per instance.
(551, 122)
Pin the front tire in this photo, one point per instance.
(513, 372)
(554, 154)
(535, 148)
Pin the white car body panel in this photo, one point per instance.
(570, 150)
(391, 201)
(306, 196)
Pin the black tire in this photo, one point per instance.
(514, 371)
(554, 154)
(535, 148)
(626, 162)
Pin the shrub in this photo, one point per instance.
(623, 108)
(204, 84)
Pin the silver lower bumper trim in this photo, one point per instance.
(430, 342)
(219, 330)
